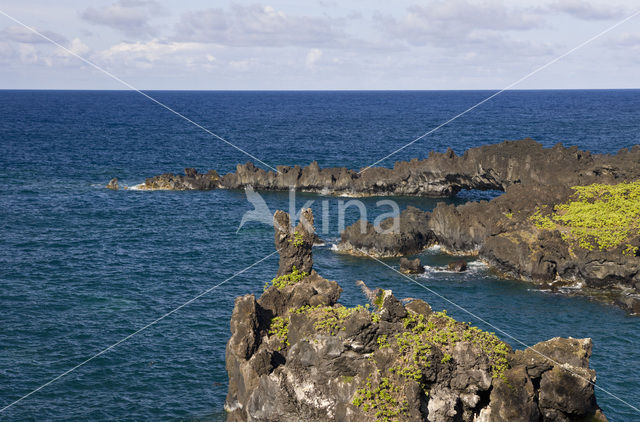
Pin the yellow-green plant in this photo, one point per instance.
(598, 216)
(298, 239)
(295, 276)
(383, 398)
(331, 319)
(280, 328)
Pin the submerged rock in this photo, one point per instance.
(296, 354)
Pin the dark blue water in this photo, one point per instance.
(81, 267)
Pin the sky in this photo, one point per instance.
(319, 44)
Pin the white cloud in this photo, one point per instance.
(130, 16)
(27, 54)
(312, 57)
(590, 10)
(258, 26)
(144, 54)
(23, 35)
(78, 47)
(26, 47)
(450, 23)
(430, 44)
(243, 65)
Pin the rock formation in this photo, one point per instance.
(411, 267)
(294, 244)
(113, 184)
(501, 231)
(411, 236)
(509, 233)
(191, 180)
(458, 266)
(494, 166)
(296, 354)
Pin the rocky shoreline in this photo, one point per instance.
(515, 234)
(503, 232)
(296, 354)
(489, 167)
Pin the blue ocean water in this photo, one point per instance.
(81, 266)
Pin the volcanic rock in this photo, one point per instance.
(411, 267)
(494, 166)
(113, 184)
(191, 180)
(295, 354)
(458, 266)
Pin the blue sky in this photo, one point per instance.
(326, 44)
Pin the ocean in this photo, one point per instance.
(82, 267)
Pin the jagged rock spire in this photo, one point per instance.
(294, 244)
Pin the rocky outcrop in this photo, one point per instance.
(191, 180)
(294, 244)
(458, 266)
(411, 266)
(113, 184)
(441, 174)
(296, 354)
(503, 232)
(407, 235)
(499, 231)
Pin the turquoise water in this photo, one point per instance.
(81, 267)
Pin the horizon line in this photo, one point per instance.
(319, 90)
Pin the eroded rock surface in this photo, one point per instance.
(295, 354)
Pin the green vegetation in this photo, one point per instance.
(330, 319)
(424, 338)
(298, 239)
(414, 348)
(382, 341)
(542, 222)
(599, 216)
(379, 300)
(327, 319)
(280, 328)
(385, 399)
(292, 278)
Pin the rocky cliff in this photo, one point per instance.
(296, 354)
